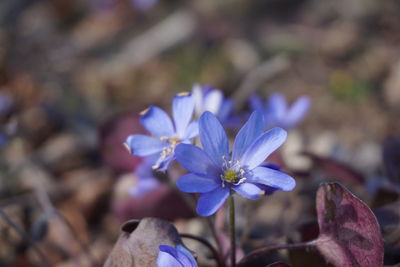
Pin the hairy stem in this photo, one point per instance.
(232, 233)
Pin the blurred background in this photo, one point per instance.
(75, 74)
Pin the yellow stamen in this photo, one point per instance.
(128, 148)
(230, 176)
(144, 112)
(183, 94)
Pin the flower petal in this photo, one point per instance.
(186, 257)
(248, 190)
(277, 105)
(143, 145)
(272, 178)
(248, 134)
(162, 163)
(192, 183)
(157, 122)
(167, 257)
(212, 101)
(197, 93)
(196, 160)
(297, 111)
(256, 103)
(209, 203)
(182, 110)
(213, 137)
(225, 110)
(262, 147)
(144, 186)
(192, 130)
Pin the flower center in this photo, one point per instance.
(230, 176)
(233, 173)
(169, 148)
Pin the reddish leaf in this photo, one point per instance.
(349, 231)
(139, 241)
(337, 170)
(157, 203)
(112, 137)
(307, 256)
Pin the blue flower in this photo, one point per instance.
(215, 173)
(145, 180)
(166, 135)
(144, 5)
(276, 110)
(175, 257)
(209, 99)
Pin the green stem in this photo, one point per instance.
(232, 229)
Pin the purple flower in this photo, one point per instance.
(215, 173)
(166, 135)
(276, 110)
(144, 5)
(145, 180)
(175, 257)
(209, 99)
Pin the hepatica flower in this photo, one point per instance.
(145, 180)
(165, 134)
(277, 112)
(209, 99)
(215, 173)
(175, 257)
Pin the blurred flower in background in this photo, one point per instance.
(278, 113)
(144, 5)
(145, 180)
(210, 99)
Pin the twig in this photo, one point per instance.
(216, 255)
(82, 244)
(257, 76)
(45, 202)
(25, 237)
(214, 234)
(175, 28)
(259, 252)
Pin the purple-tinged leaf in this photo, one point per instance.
(112, 135)
(349, 231)
(156, 203)
(335, 169)
(391, 159)
(307, 256)
(138, 244)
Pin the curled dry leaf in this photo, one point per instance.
(138, 243)
(349, 231)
